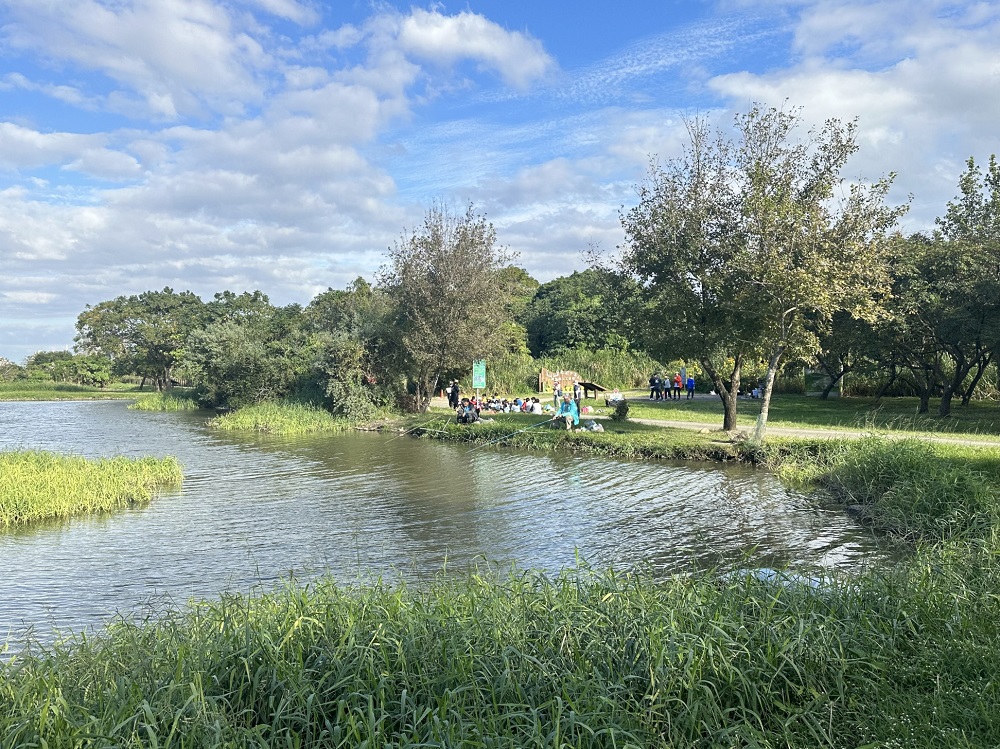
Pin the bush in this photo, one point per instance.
(621, 411)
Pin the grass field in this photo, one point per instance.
(29, 390)
(979, 418)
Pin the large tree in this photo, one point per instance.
(143, 335)
(747, 245)
(445, 279)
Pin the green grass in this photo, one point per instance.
(31, 390)
(280, 419)
(37, 485)
(979, 418)
(905, 657)
(171, 401)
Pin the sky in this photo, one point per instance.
(285, 145)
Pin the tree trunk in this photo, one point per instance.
(727, 393)
(962, 369)
(982, 364)
(772, 372)
(834, 377)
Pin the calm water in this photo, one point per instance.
(254, 510)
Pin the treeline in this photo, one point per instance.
(745, 257)
(448, 294)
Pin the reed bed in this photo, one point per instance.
(903, 658)
(170, 401)
(281, 418)
(36, 485)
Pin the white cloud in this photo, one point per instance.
(519, 59)
(180, 56)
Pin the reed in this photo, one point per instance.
(280, 418)
(170, 401)
(37, 485)
(905, 657)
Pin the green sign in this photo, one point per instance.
(479, 374)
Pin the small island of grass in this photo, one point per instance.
(37, 485)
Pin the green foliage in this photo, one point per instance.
(142, 335)
(445, 280)
(251, 353)
(62, 366)
(742, 251)
(620, 411)
(38, 485)
(582, 310)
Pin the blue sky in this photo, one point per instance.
(283, 145)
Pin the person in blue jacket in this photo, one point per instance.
(567, 414)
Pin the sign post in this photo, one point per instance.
(478, 376)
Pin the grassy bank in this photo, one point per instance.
(980, 418)
(29, 390)
(172, 401)
(903, 658)
(37, 485)
(280, 418)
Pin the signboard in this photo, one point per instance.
(479, 374)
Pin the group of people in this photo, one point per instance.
(669, 388)
(470, 410)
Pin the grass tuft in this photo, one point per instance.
(281, 419)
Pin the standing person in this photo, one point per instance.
(677, 386)
(690, 386)
(577, 394)
(653, 386)
(557, 393)
(455, 390)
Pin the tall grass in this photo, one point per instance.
(282, 418)
(37, 485)
(906, 658)
(170, 401)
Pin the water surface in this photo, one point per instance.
(253, 510)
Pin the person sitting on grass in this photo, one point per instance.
(466, 412)
(568, 415)
(614, 397)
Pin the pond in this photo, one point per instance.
(254, 510)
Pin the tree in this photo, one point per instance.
(971, 230)
(573, 311)
(143, 335)
(250, 352)
(445, 282)
(748, 246)
(355, 361)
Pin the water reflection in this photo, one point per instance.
(255, 509)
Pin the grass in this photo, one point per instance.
(170, 401)
(31, 390)
(905, 658)
(979, 418)
(37, 485)
(280, 419)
